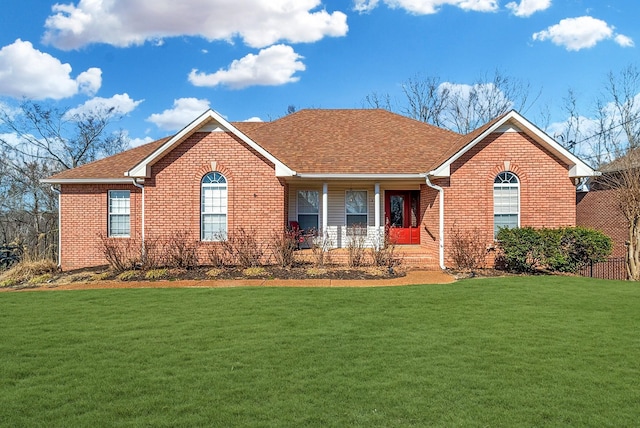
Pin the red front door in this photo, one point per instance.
(401, 216)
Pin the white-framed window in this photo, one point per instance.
(308, 208)
(119, 222)
(506, 201)
(357, 210)
(213, 208)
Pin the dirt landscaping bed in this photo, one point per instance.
(305, 275)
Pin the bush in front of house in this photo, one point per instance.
(468, 248)
(565, 249)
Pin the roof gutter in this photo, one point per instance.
(441, 221)
(59, 193)
(85, 180)
(341, 176)
(141, 187)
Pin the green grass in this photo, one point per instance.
(534, 351)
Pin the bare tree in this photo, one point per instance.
(460, 108)
(38, 140)
(67, 138)
(619, 133)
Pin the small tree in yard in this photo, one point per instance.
(615, 146)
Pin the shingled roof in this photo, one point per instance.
(112, 167)
(327, 142)
(351, 142)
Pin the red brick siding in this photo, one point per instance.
(599, 210)
(84, 219)
(429, 225)
(547, 194)
(256, 198)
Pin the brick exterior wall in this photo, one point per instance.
(599, 210)
(256, 198)
(85, 217)
(547, 194)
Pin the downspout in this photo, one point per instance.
(141, 186)
(441, 221)
(59, 192)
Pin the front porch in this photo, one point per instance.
(414, 256)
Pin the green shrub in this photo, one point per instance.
(520, 249)
(564, 249)
(571, 248)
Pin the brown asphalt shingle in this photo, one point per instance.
(113, 166)
(350, 141)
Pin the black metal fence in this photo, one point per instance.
(9, 255)
(613, 268)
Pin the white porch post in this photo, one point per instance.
(325, 210)
(376, 202)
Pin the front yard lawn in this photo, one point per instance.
(515, 351)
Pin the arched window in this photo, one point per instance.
(213, 208)
(506, 201)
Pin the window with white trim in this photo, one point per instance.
(213, 210)
(506, 201)
(119, 213)
(308, 209)
(357, 210)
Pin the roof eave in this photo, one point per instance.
(85, 180)
(143, 168)
(364, 176)
(577, 168)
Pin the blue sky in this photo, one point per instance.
(163, 62)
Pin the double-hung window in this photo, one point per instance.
(506, 202)
(308, 208)
(213, 207)
(119, 213)
(357, 210)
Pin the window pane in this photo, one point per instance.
(356, 202)
(308, 221)
(120, 225)
(504, 220)
(213, 207)
(308, 201)
(214, 227)
(356, 220)
(119, 213)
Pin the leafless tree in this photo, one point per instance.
(38, 140)
(619, 133)
(460, 108)
(65, 137)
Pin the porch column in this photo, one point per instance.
(376, 204)
(325, 209)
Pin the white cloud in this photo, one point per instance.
(364, 6)
(258, 23)
(426, 7)
(528, 7)
(120, 103)
(27, 72)
(90, 81)
(183, 112)
(581, 33)
(135, 142)
(624, 41)
(253, 119)
(275, 65)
